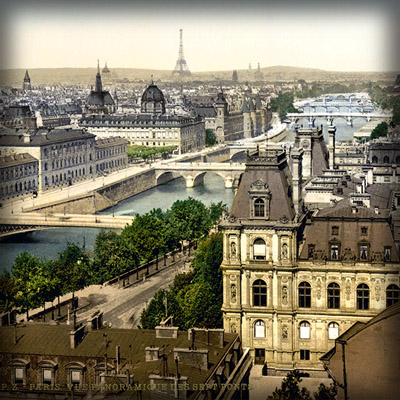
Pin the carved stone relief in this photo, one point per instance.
(284, 295)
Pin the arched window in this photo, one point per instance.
(259, 208)
(259, 329)
(333, 295)
(305, 330)
(259, 293)
(333, 330)
(259, 249)
(375, 160)
(304, 294)
(362, 297)
(45, 166)
(386, 160)
(392, 295)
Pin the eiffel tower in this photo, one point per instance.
(181, 67)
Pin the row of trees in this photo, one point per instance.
(149, 153)
(195, 298)
(386, 99)
(33, 281)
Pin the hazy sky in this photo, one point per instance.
(337, 35)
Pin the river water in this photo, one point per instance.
(48, 243)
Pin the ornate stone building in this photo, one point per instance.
(293, 281)
(152, 127)
(99, 100)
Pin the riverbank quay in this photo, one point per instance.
(88, 197)
(121, 299)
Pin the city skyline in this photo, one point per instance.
(358, 37)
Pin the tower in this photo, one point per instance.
(99, 85)
(27, 82)
(181, 67)
(331, 132)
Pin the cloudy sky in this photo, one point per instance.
(339, 35)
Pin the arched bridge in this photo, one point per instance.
(25, 222)
(330, 116)
(194, 172)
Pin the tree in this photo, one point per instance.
(147, 234)
(207, 261)
(32, 282)
(211, 139)
(326, 392)
(71, 268)
(379, 131)
(8, 291)
(113, 255)
(290, 389)
(199, 306)
(190, 219)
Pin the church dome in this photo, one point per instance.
(153, 100)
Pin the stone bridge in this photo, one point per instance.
(193, 172)
(330, 116)
(25, 222)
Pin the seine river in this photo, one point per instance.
(48, 243)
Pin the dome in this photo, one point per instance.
(153, 100)
(153, 93)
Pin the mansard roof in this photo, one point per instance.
(271, 169)
(349, 220)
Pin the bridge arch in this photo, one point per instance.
(167, 176)
(238, 156)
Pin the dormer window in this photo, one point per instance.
(259, 208)
(335, 230)
(364, 249)
(260, 197)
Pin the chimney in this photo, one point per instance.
(297, 176)
(376, 208)
(331, 145)
(76, 336)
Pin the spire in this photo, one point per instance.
(99, 85)
(27, 78)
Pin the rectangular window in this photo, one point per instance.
(75, 377)
(304, 332)
(304, 354)
(386, 179)
(333, 332)
(47, 376)
(335, 230)
(364, 230)
(387, 253)
(259, 251)
(334, 252)
(363, 252)
(19, 375)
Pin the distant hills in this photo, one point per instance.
(86, 76)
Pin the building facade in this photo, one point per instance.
(19, 175)
(111, 154)
(65, 156)
(292, 282)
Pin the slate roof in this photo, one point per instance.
(205, 112)
(270, 168)
(379, 235)
(112, 141)
(40, 137)
(102, 98)
(16, 159)
(53, 340)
